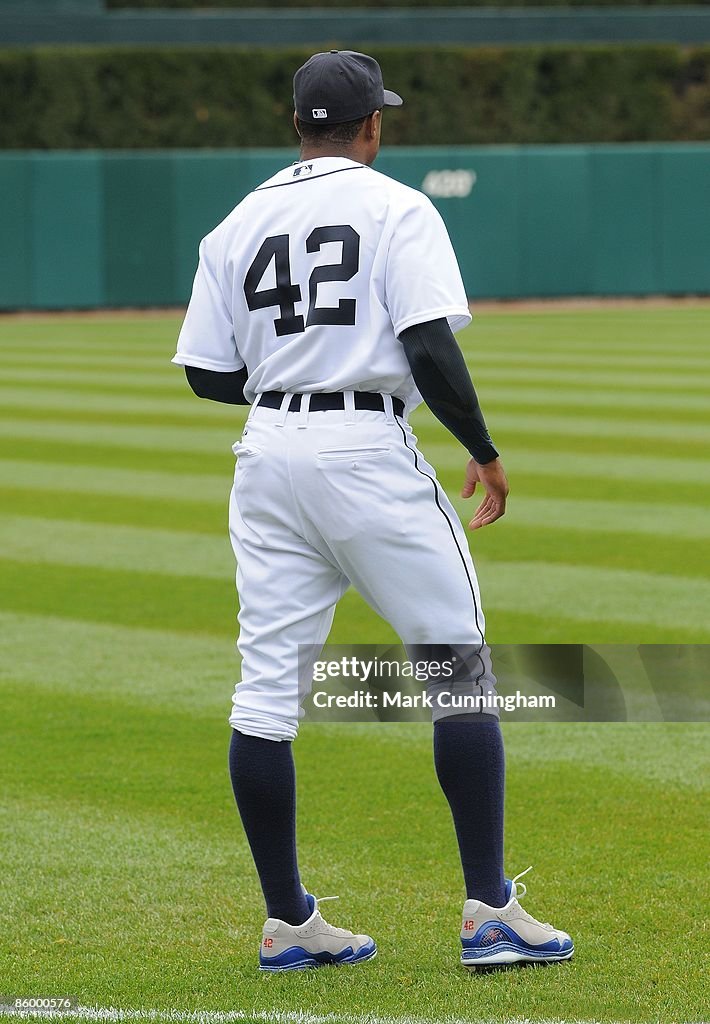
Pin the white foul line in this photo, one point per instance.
(113, 1015)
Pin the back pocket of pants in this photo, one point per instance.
(350, 453)
(245, 451)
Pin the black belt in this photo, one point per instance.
(323, 400)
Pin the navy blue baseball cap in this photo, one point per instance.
(340, 86)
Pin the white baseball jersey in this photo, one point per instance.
(311, 278)
(309, 282)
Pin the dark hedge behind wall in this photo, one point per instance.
(141, 97)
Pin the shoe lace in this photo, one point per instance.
(330, 928)
(523, 886)
(520, 895)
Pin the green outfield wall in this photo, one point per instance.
(89, 229)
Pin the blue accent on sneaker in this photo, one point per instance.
(296, 958)
(494, 937)
(508, 890)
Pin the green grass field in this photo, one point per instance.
(126, 881)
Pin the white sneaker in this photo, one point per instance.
(288, 947)
(508, 934)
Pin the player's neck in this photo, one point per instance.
(355, 153)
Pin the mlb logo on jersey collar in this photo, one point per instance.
(301, 170)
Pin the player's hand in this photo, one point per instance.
(495, 482)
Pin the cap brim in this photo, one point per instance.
(392, 99)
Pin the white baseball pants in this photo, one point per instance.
(322, 500)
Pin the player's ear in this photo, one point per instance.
(374, 124)
(295, 123)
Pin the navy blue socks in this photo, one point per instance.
(264, 783)
(470, 766)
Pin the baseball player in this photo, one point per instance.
(326, 300)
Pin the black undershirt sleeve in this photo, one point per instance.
(443, 380)
(219, 387)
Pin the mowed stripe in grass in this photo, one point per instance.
(131, 663)
(675, 328)
(566, 459)
(607, 416)
(590, 331)
(72, 402)
(186, 553)
(122, 547)
(144, 460)
(152, 433)
(51, 477)
(154, 378)
(561, 603)
(199, 515)
(675, 440)
(641, 519)
(675, 404)
(195, 605)
(28, 357)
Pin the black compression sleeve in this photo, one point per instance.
(219, 387)
(441, 375)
